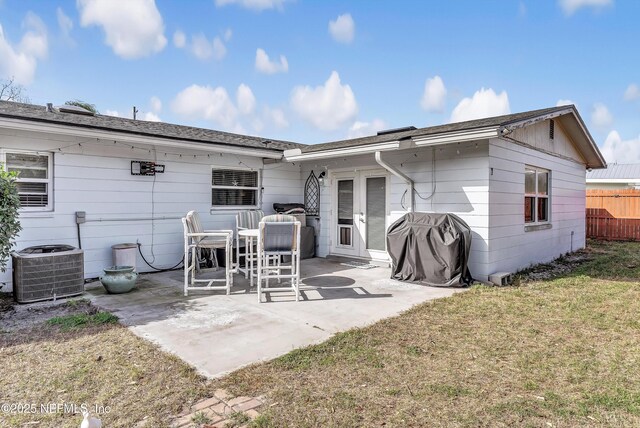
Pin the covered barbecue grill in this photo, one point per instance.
(430, 249)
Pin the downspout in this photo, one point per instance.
(400, 175)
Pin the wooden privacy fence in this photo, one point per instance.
(613, 214)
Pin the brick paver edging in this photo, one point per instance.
(215, 412)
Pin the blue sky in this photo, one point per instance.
(315, 71)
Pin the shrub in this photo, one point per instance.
(9, 224)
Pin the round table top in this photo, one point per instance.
(249, 232)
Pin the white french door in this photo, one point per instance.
(359, 214)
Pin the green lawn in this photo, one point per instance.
(560, 352)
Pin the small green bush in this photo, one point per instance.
(9, 205)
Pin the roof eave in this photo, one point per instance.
(133, 138)
(456, 136)
(294, 155)
(597, 161)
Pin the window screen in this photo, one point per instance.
(234, 188)
(34, 178)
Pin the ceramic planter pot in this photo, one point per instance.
(119, 279)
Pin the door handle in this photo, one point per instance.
(362, 218)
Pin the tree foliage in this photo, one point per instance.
(9, 224)
(85, 105)
(11, 91)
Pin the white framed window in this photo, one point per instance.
(536, 195)
(235, 188)
(35, 178)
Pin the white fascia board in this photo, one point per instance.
(124, 137)
(456, 137)
(614, 180)
(291, 155)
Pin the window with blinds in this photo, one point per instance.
(34, 178)
(232, 188)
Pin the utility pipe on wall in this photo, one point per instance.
(400, 175)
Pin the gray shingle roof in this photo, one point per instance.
(139, 127)
(432, 130)
(616, 171)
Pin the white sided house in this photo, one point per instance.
(517, 180)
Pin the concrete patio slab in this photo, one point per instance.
(217, 333)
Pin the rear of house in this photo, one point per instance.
(71, 163)
(518, 181)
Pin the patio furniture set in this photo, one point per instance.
(269, 245)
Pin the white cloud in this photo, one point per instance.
(64, 22)
(132, 28)
(327, 106)
(151, 117)
(20, 61)
(276, 117)
(434, 95)
(219, 49)
(245, 99)
(255, 5)
(522, 9)
(632, 92)
(179, 39)
(227, 34)
(564, 102)
(265, 65)
(571, 6)
(112, 113)
(205, 102)
(201, 47)
(342, 29)
(615, 149)
(484, 103)
(215, 104)
(362, 129)
(601, 116)
(156, 104)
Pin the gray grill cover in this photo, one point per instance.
(429, 248)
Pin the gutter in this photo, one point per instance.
(399, 174)
(292, 155)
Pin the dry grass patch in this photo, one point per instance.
(84, 357)
(560, 352)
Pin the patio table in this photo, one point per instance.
(250, 237)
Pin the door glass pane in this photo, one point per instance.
(543, 183)
(529, 181)
(345, 235)
(376, 213)
(345, 202)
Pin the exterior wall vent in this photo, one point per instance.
(552, 126)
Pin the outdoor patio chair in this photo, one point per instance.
(249, 219)
(279, 236)
(196, 239)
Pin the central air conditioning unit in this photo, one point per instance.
(47, 272)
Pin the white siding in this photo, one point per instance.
(96, 178)
(462, 188)
(511, 248)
